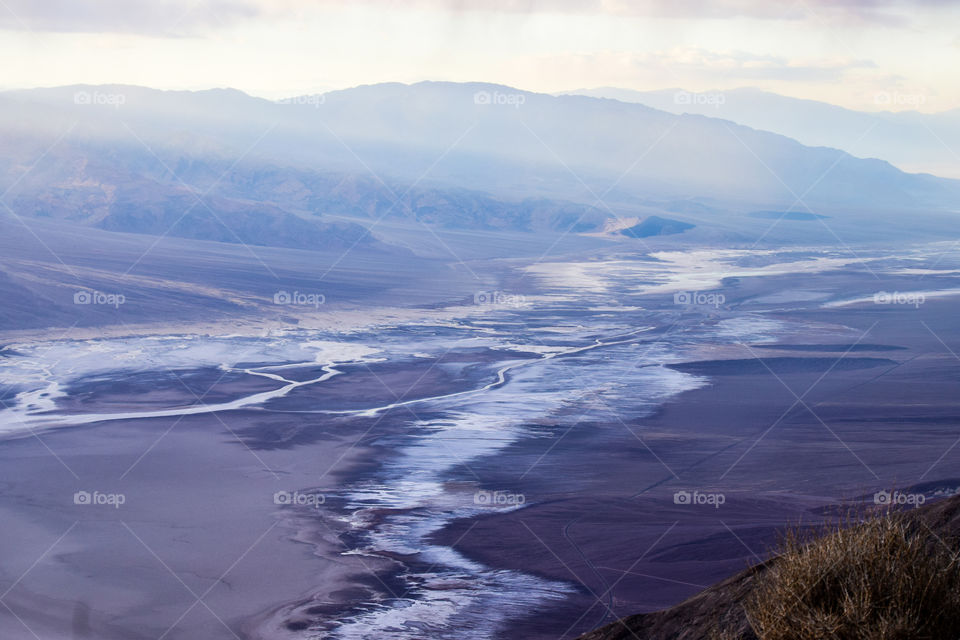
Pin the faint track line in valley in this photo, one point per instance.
(799, 401)
(199, 599)
(653, 577)
(23, 575)
(691, 466)
(606, 586)
(578, 579)
(614, 585)
(873, 379)
(762, 432)
(957, 441)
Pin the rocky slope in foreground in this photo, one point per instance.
(719, 607)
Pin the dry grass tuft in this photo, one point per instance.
(887, 578)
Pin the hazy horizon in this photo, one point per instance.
(877, 107)
(841, 53)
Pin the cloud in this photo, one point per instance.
(831, 79)
(150, 17)
(891, 12)
(184, 17)
(848, 11)
(698, 67)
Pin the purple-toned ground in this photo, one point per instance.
(526, 471)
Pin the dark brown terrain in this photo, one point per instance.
(721, 606)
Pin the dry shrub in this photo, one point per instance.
(724, 634)
(888, 578)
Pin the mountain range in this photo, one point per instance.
(322, 171)
(910, 139)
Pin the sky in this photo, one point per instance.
(862, 54)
